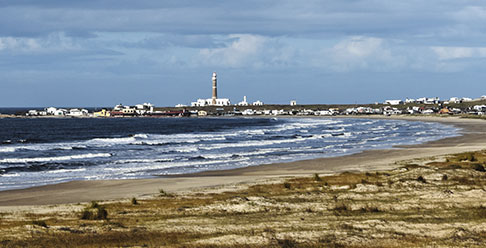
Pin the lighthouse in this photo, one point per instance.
(214, 100)
(215, 89)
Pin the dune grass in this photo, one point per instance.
(437, 204)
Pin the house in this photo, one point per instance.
(257, 103)
(391, 111)
(410, 100)
(393, 102)
(209, 102)
(60, 112)
(429, 100)
(32, 112)
(455, 100)
(77, 112)
(445, 111)
(128, 111)
(50, 110)
(480, 108)
(456, 110)
(293, 103)
(145, 108)
(323, 112)
(102, 113)
(202, 113)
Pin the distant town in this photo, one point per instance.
(215, 106)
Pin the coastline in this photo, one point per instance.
(472, 137)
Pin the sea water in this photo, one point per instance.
(42, 151)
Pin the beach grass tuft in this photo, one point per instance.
(94, 212)
(40, 223)
(287, 185)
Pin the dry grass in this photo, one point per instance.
(440, 205)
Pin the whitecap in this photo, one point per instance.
(60, 158)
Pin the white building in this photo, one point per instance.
(257, 103)
(244, 102)
(60, 112)
(293, 103)
(144, 108)
(77, 112)
(410, 100)
(429, 100)
(32, 112)
(393, 102)
(51, 110)
(209, 102)
(480, 108)
(455, 100)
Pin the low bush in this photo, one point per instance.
(94, 212)
(421, 179)
(478, 167)
(40, 223)
(287, 185)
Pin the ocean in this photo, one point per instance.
(42, 151)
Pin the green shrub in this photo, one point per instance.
(134, 201)
(163, 193)
(421, 179)
(317, 178)
(468, 156)
(342, 207)
(94, 212)
(478, 167)
(287, 185)
(39, 223)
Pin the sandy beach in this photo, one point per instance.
(473, 137)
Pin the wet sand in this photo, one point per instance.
(473, 137)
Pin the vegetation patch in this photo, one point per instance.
(94, 212)
(437, 204)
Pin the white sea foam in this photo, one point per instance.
(65, 171)
(8, 149)
(60, 158)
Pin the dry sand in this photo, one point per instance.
(473, 137)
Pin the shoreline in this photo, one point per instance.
(472, 137)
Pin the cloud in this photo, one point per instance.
(246, 50)
(361, 53)
(18, 44)
(449, 53)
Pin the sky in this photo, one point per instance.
(104, 52)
